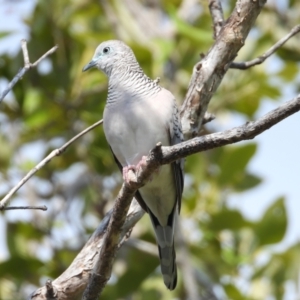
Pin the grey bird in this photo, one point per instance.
(138, 114)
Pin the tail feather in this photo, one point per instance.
(168, 266)
(167, 255)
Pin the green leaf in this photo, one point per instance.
(5, 153)
(32, 100)
(272, 226)
(248, 181)
(289, 71)
(138, 271)
(5, 33)
(227, 219)
(233, 163)
(21, 268)
(233, 293)
(190, 32)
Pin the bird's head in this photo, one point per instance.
(112, 55)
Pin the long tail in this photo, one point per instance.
(168, 265)
(167, 255)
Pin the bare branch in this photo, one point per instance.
(75, 278)
(25, 53)
(262, 58)
(245, 132)
(27, 66)
(52, 50)
(103, 268)
(216, 12)
(73, 281)
(208, 117)
(50, 290)
(209, 72)
(23, 207)
(56, 152)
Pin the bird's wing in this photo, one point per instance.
(176, 137)
(165, 234)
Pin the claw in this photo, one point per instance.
(142, 163)
(126, 171)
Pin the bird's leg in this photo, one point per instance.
(142, 163)
(126, 170)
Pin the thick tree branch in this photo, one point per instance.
(209, 72)
(56, 152)
(103, 268)
(216, 12)
(73, 281)
(27, 66)
(75, 278)
(262, 58)
(245, 132)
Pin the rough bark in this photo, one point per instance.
(209, 71)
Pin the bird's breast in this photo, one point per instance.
(132, 130)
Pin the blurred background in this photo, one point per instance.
(240, 211)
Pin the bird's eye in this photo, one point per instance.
(106, 50)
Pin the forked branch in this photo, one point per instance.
(27, 66)
(262, 58)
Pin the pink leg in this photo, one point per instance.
(126, 170)
(142, 163)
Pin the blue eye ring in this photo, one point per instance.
(106, 50)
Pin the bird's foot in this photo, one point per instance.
(126, 176)
(142, 163)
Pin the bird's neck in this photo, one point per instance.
(131, 84)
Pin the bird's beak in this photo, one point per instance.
(90, 65)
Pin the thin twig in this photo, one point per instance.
(208, 117)
(44, 207)
(27, 66)
(216, 12)
(52, 50)
(25, 53)
(54, 153)
(262, 58)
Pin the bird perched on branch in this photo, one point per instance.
(138, 114)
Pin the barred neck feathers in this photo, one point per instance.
(130, 78)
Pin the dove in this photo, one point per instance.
(138, 114)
